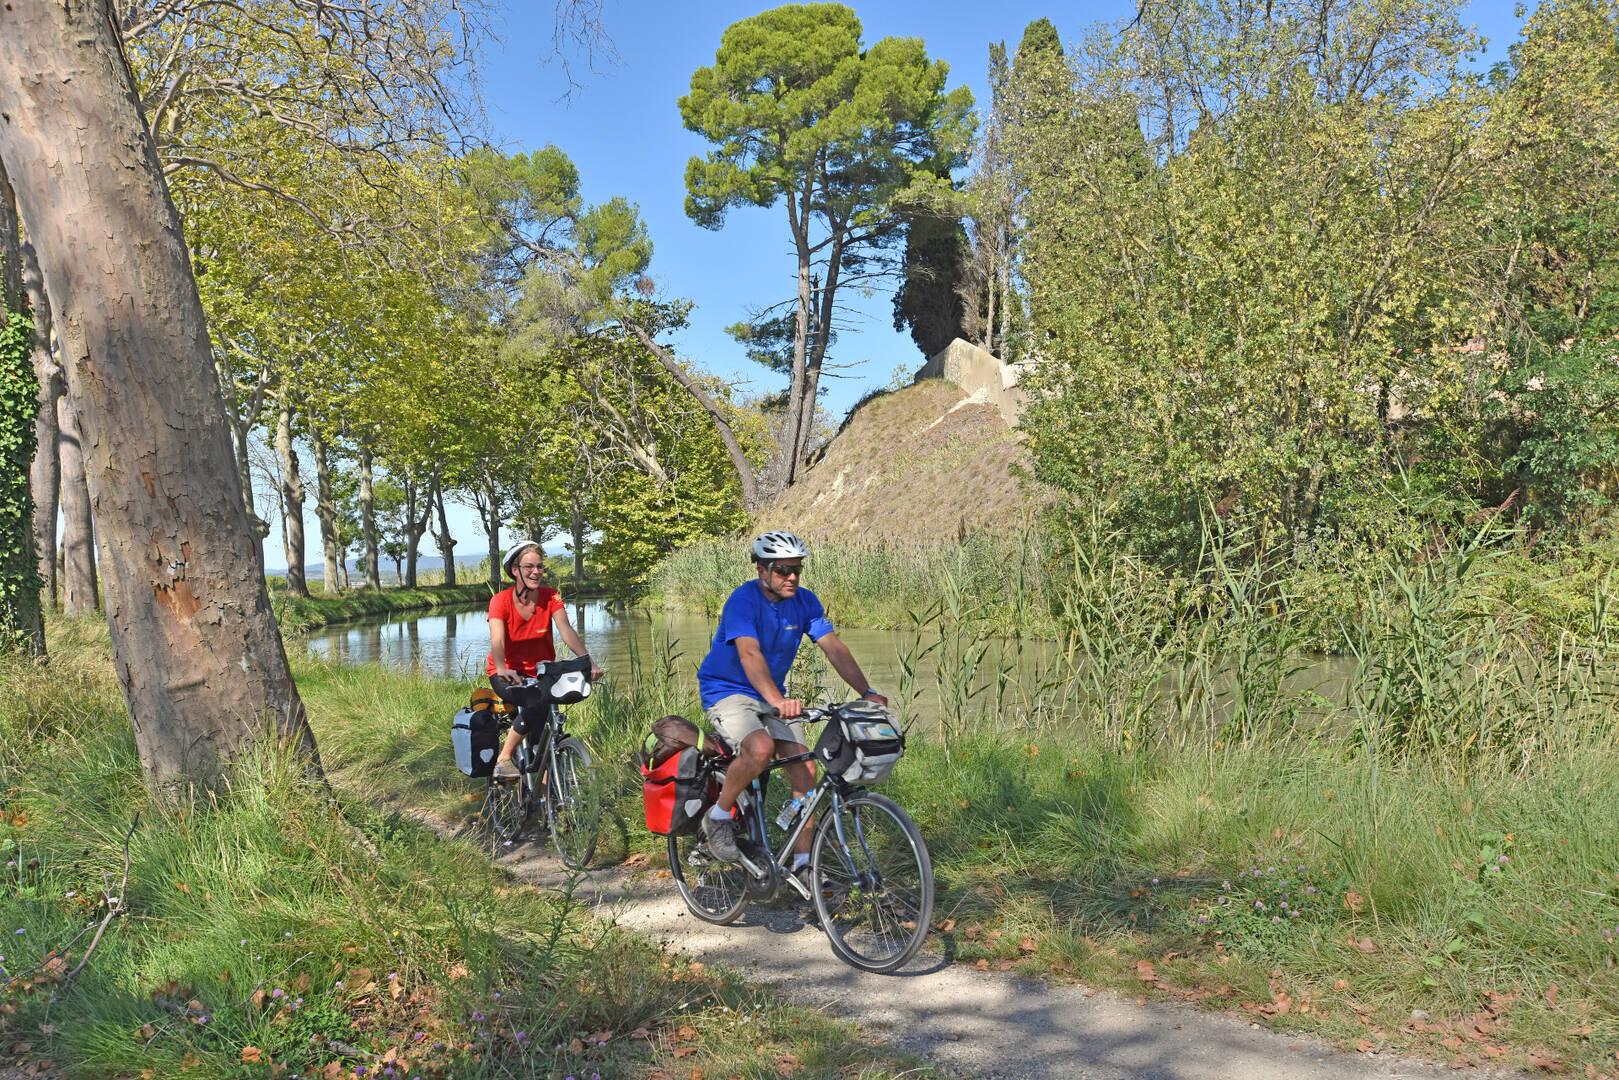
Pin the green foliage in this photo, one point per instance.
(801, 112)
(19, 402)
(1555, 432)
(928, 301)
(1040, 36)
(1315, 261)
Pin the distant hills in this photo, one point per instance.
(424, 563)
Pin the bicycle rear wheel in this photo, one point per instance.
(874, 897)
(715, 892)
(574, 803)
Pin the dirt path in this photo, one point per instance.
(985, 1025)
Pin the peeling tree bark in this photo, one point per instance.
(490, 506)
(194, 640)
(241, 426)
(446, 542)
(368, 521)
(79, 585)
(11, 260)
(292, 499)
(45, 475)
(326, 511)
(576, 529)
(415, 524)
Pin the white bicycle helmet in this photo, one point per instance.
(514, 553)
(770, 546)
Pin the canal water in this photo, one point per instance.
(454, 645)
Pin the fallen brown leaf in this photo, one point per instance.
(1354, 901)
(252, 1055)
(1546, 1062)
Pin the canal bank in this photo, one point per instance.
(300, 614)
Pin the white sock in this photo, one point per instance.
(800, 860)
(717, 814)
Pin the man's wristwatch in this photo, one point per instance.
(868, 691)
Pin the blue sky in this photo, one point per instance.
(621, 127)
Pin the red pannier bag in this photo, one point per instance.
(675, 786)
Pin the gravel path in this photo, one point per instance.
(986, 1025)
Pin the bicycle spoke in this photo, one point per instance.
(875, 896)
(715, 892)
(574, 803)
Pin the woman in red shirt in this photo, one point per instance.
(521, 619)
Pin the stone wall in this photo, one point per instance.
(980, 374)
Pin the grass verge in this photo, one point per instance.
(277, 930)
(296, 614)
(1404, 904)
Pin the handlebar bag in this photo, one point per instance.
(860, 743)
(475, 736)
(565, 681)
(677, 793)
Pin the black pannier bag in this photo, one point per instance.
(861, 742)
(475, 734)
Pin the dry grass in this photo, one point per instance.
(917, 465)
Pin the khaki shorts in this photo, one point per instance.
(738, 716)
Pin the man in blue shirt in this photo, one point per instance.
(742, 676)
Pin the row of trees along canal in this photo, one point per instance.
(281, 224)
(1279, 259)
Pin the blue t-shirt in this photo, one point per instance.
(776, 624)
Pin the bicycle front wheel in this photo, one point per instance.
(873, 892)
(504, 812)
(574, 803)
(714, 891)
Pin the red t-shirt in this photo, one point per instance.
(528, 641)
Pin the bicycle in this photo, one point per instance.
(869, 875)
(562, 763)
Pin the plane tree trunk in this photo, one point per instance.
(45, 475)
(195, 644)
(368, 522)
(326, 510)
(445, 542)
(292, 499)
(79, 586)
